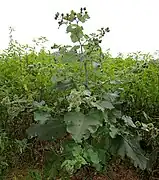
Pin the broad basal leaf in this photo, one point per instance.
(153, 158)
(134, 151)
(52, 129)
(80, 125)
(131, 149)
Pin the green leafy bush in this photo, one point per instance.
(91, 106)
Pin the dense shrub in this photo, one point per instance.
(98, 106)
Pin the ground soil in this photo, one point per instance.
(116, 173)
(117, 170)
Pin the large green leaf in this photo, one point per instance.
(69, 29)
(92, 155)
(103, 105)
(52, 129)
(112, 97)
(41, 117)
(70, 57)
(133, 151)
(107, 105)
(74, 37)
(130, 148)
(76, 33)
(80, 125)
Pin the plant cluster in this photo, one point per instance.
(90, 106)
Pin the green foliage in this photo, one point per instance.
(35, 175)
(91, 106)
(48, 131)
(80, 126)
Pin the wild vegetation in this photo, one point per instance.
(75, 107)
